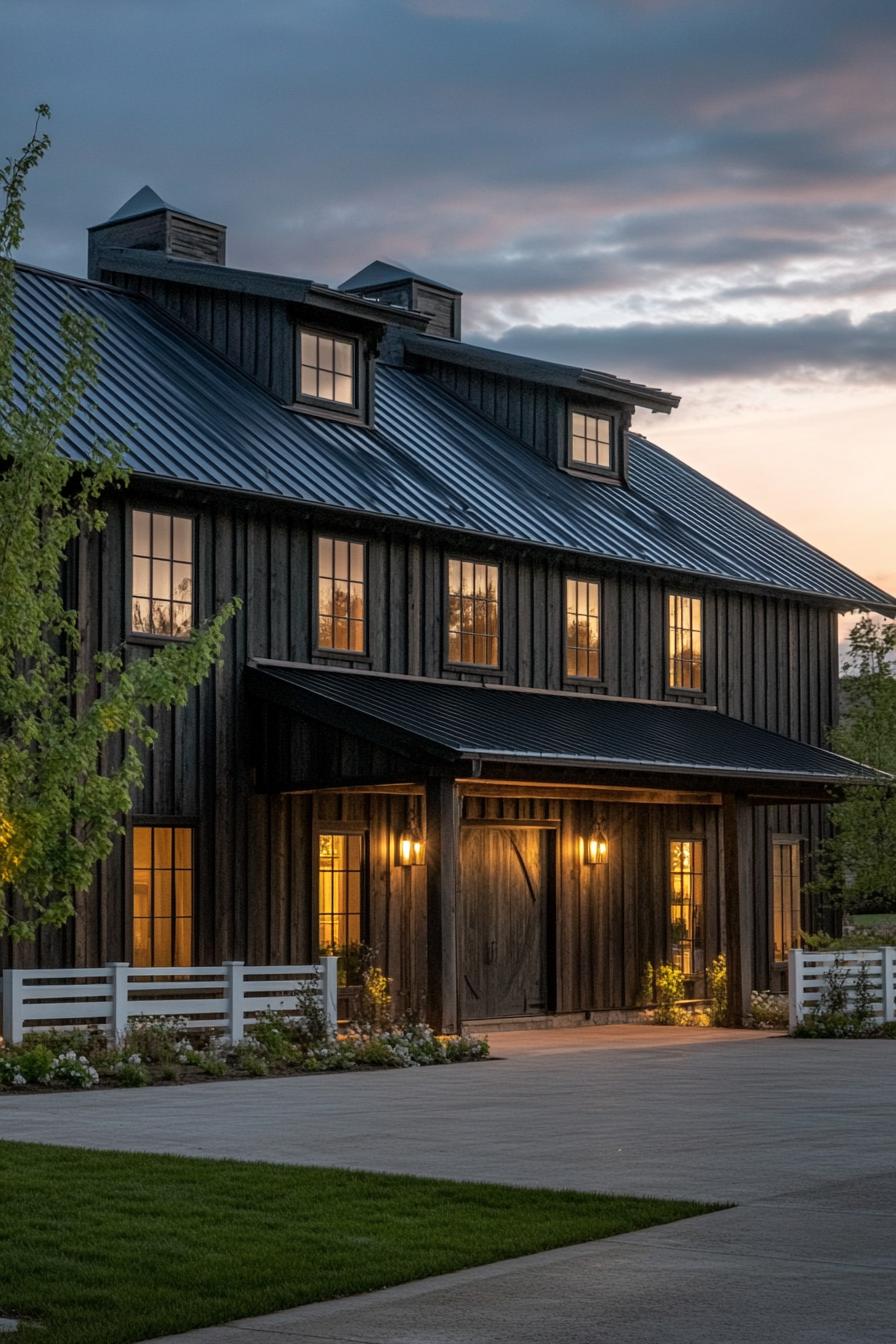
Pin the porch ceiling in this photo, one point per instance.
(465, 724)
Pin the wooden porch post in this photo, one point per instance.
(737, 828)
(442, 824)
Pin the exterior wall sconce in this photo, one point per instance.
(411, 845)
(595, 847)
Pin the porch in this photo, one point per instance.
(517, 854)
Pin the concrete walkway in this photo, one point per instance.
(799, 1133)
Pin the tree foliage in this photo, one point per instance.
(858, 863)
(71, 727)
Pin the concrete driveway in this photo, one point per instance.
(799, 1133)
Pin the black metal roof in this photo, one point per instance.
(461, 721)
(191, 417)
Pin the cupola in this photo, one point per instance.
(150, 224)
(390, 282)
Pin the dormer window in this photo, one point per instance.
(327, 368)
(591, 441)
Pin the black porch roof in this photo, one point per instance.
(458, 722)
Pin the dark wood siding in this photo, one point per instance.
(769, 660)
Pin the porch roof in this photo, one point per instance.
(455, 722)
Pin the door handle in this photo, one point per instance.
(491, 952)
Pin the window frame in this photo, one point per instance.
(613, 472)
(577, 678)
(168, 822)
(319, 650)
(352, 410)
(697, 595)
(494, 669)
(788, 840)
(681, 838)
(145, 636)
(325, 826)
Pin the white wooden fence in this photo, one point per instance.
(224, 998)
(809, 974)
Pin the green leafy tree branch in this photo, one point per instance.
(71, 725)
(857, 864)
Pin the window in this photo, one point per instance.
(685, 642)
(162, 896)
(339, 891)
(327, 368)
(591, 441)
(686, 905)
(473, 613)
(340, 595)
(583, 628)
(786, 914)
(161, 574)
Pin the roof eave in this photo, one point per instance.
(583, 381)
(207, 275)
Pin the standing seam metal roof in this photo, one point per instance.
(462, 720)
(190, 416)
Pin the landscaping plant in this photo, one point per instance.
(71, 743)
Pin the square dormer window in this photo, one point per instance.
(327, 368)
(591, 440)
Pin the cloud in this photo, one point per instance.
(716, 350)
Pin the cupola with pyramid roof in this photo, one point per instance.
(148, 223)
(390, 282)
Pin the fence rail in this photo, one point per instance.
(810, 978)
(225, 998)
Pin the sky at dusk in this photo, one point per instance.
(699, 194)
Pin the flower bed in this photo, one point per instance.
(160, 1050)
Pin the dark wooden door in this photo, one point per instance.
(505, 875)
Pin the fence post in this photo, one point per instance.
(888, 982)
(795, 985)
(13, 1016)
(328, 991)
(118, 992)
(236, 1002)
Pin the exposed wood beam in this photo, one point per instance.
(601, 792)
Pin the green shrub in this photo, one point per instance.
(717, 983)
(845, 1009)
(669, 982)
(157, 1040)
(768, 1009)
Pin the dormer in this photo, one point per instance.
(311, 346)
(389, 282)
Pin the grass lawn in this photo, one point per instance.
(103, 1248)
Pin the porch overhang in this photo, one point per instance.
(492, 732)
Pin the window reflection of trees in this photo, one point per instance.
(473, 613)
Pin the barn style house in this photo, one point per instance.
(515, 698)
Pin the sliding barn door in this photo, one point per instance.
(505, 877)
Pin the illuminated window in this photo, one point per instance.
(162, 896)
(340, 595)
(327, 368)
(591, 440)
(786, 915)
(582, 628)
(339, 892)
(685, 642)
(161, 574)
(686, 905)
(473, 613)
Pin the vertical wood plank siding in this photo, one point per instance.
(768, 660)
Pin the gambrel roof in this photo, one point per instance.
(191, 417)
